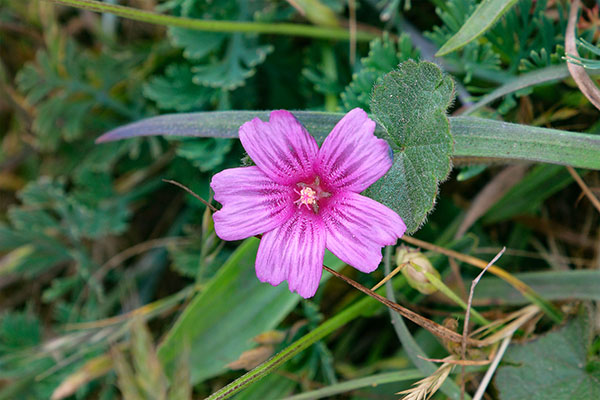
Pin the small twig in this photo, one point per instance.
(584, 187)
(470, 299)
(465, 333)
(490, 372)
(433, 327)
(388, 276)
(132, 251)
(450, 360)
(352, 26)
(187, 189)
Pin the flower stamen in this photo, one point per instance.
(308, 197)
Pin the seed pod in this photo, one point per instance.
(415, 268)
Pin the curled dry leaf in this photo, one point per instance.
(580, 76)
(252, 358)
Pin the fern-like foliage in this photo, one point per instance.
(384, 55)
(474, 56)
(71, 89)
(213, 61)
(53, 226)
(528, 38)
(175, 90)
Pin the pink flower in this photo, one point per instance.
(304, 199)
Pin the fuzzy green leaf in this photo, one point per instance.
(410, 103)
(555, 366)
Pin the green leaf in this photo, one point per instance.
(273, 386)
(485, 15)
(205, 154)
(551, 367)
(474, 137)
(552, 285)
(68, 86)
(19, 330)
(196, 45)
(218, 60)
(176, 90)
(526, 197)
(527, 80)
(410, 103)
(234, 301)
(231, 72)
(384, 55)
(477, 58)
(366, 382)
(362, 307)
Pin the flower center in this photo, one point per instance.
(310, 194)
(308, 197)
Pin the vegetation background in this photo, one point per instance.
(114, 285)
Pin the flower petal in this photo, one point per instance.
(358, 227)
(293, 252)
(351, 157)
(281, 148)
(252, 203)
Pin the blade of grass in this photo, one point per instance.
(369, 381)
(530, 79)
(318, 32)
(474, 137)
(553, 285)
(485, 15)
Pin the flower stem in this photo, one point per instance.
(319, 32)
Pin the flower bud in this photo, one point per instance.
(415, 268)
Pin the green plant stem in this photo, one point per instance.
(319, 32)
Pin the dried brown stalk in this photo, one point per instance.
(584, 187)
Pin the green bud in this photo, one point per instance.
(415, 268)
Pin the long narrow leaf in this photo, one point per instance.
(482, 19)
(473, 137)
(368, 381)
(530, 79)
